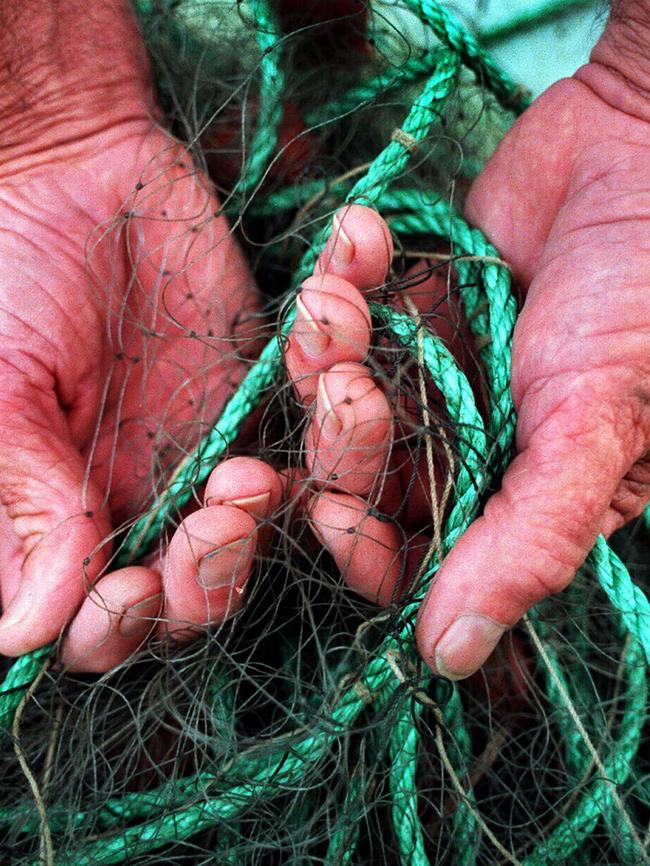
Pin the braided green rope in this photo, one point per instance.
(487, 297)
(404, 747)
(449, 29)
(624, 595)
(466, 835)
(181, 808)
(265, 138)
(341, 849)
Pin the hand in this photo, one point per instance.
(566, 200)
(124, 305)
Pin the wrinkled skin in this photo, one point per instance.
(82, 381)
(566, 199)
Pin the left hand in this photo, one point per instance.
(566, 200)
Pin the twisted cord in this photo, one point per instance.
(272, 84)
(450, 31)
(179, 809)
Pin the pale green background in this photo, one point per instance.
(535, 57)
(539, 57)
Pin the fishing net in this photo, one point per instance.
(306, 730)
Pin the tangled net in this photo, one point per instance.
(308, 731)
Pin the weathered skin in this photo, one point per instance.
(566, 199)
(89, 398)
(96, 315)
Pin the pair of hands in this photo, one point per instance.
(101, 384)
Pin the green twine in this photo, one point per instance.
(265, 138)
(179, 809)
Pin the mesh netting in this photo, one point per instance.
(307, 730)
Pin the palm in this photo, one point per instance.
(580, 363)
(108, 312)
(571, 214)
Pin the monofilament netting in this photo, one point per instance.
(307, 730)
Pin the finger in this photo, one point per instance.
(245, 483)
(359, 249)
(113, 621)
(347, 444)
(369, 552)
(52, 540)
(250, 485)
(332, 325)
(206, 568)
(535, 533)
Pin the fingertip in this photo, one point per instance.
(71, 554)
(463, 647)
(246, 483)
(359, 249)
(348, 443)
(113, 620)
(369, 552)
(472, 600)
(207, 566)
(332, 325)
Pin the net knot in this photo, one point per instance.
(407, 141)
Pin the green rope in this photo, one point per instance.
(404, 750)
(265, 138)
(180, 808)
(452, 32)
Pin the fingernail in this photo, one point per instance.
(17, 610)
(257, 506)
(329, 422)
(342, 247)
(138, 618)
(466, 644)
(227, 566)
(307, 331)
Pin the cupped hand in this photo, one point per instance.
(566, 200)
(125, 307)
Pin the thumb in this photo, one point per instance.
(50, 548)
(532, 537)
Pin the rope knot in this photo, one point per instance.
(407, 141)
